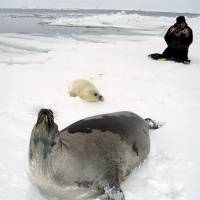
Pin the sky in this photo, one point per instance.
(153, 5)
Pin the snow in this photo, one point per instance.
(119, 19)
(36, 71)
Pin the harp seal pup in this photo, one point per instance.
(90, 157)
(85, 90)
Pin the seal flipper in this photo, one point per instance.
(152, 124)
(114, 193)
(112, 189)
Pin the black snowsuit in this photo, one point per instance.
(178, 41)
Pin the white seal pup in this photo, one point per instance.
(90, 157)
(85, 90)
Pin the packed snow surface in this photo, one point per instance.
(36, 71)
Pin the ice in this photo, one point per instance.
(36, 70)
(119, 19)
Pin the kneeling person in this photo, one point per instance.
(178, 38)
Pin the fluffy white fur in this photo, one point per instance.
(85, 90)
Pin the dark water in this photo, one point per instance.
(34, 25)
(30, 21)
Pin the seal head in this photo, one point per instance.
(95, 96)
(43, 136)
(46, 116)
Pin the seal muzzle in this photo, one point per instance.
(46, 116)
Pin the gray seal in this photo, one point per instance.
(90, 157)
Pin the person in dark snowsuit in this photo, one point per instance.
(178, 39)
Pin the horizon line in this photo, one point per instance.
(69, 8)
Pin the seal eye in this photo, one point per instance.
(95, 94)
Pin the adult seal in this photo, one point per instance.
(90, 157)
